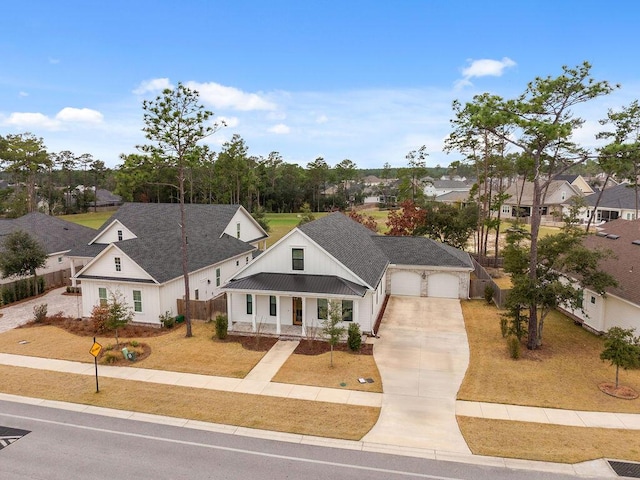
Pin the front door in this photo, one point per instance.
(297, 311)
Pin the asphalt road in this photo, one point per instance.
(62, 444)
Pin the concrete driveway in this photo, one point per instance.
(20, 313)
(422, 355)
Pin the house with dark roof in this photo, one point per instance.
(620, 305)
(336, 258)
(576, 181)
(618, 201)
(137, 253)
(56, 236)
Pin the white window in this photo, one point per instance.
(563, 195)
(102, 295)
(118, 264)
(59, 259)
(297, 259)
(506, 208)
(119, 235)
(238, 230)
(197, 294)
(217, 277)
(137, 301)
(246, 260)
(322, 308)
(347, 310)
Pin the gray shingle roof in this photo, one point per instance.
(351, 244)
(160, 255)
(53, 233)
(148, 219)
(422, 251)
(618, 197)
(288, 282)
(625, 265)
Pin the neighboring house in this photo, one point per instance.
(434, 188)
(336, 258)
(454, 198)
(555, 203)
(576, 181)
(618, 201)
(55, 235)
(620, 306)
(105, 198)
(137, 252)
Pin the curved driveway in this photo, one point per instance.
(422, 355)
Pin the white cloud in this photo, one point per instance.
(484, 67)
(322, 119)
(54, 61)
(280, 129)
(220, 96)
(70, 114)
(23, 94)
(153, 85)
(30, 120)
(229, 121)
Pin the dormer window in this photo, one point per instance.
(297, 259)
(119, 235)
(118, 264)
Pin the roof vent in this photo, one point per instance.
(601, 234)
(611, 236)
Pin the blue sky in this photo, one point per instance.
(364, 80)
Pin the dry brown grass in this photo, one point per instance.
(347, 368)
(173, 351)
(253, 411)
(549, 443)
(564, 373)
(504, 282)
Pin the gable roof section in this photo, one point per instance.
(624, 266)
(160, 255)
(351, 244)
(149, 219)
(527, 195)
(422, 251)
(53, 233)
(619, 197)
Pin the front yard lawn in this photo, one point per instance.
(564, 373)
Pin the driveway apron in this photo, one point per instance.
(422, 355)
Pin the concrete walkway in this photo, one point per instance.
(422, 355)
(257, 385)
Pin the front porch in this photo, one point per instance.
(270, 330)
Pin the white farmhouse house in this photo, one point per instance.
(137, 253)
(337, 259)
(620, 306)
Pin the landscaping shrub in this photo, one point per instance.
(488, 293)
(354, 339)
(167, 320)
(40, 313)
(222, 324)
(134, 343)
(514, 347)
(111, 356)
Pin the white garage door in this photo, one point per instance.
(443, 285)
(405, 283)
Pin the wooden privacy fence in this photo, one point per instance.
(204, 309)
(51, 279)
(482, 280)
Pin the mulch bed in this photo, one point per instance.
(318, 347)
(623, 392)
(87, 328)
(248, 342)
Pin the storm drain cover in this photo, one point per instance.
(626, 469)
(10, 435)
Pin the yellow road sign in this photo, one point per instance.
(96, 348)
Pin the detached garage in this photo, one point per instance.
(421, 267)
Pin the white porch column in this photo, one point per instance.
(229, 311)
(73, 272)
(254, 307)
(356, 304)
(278, 315)
(304, 314)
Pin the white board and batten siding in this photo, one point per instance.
(243, 227)
(316, 260)
(110, 234)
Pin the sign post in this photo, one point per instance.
(95, 350)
